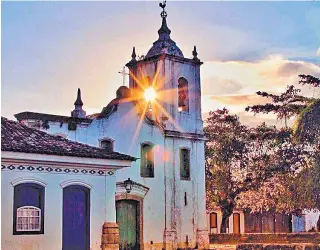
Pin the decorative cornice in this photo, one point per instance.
(75, 182)
(137, 189)
(55, 170)
(182, 135)
(21, 180)
(56, 160)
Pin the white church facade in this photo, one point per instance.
(157, 120)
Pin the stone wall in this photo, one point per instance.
(110, 236)
(279, 238)
(278, 247)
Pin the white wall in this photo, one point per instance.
(100, 198)
(311, 219)
(219, 220)
(164, 203)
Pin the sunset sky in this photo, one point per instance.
(49, 49)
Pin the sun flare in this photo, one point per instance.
(150, 94)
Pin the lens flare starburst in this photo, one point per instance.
(150, 94)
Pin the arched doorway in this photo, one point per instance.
(76, 218)
(128, 219)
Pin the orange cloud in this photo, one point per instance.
(240, 99)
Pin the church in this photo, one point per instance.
(157, 119)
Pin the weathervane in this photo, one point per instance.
(163, 6)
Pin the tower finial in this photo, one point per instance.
(195, 54)
(78, 102)
(133, 55)
(164, 31)
(78, 111)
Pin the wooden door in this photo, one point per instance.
(127, 219)
(76, 218)
(213, 222)
(268, 225)
(236, 223)
(252, 222)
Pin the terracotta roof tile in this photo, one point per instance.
(17, 137)
(48, 117)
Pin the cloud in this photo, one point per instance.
(233, 84)
(318, 52)
(240, 99)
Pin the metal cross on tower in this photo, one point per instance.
(124, 74)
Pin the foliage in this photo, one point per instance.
(285, 105)
(241, 160)
(307, 124)
(309, 80)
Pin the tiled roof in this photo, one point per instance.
(17, 137)
(48, 117)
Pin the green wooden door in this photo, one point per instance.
(127, 219)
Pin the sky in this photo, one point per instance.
(49, 49)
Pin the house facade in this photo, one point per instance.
(55, 193)
(158, 120)
(242, 221)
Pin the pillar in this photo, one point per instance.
(110, 229)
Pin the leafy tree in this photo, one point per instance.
(288, 104)
(307, 129)
(303, 188)
(240, 160)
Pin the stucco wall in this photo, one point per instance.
(101, 196)
(219, 219)
(166, 190)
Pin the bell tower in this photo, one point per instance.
(175, 80)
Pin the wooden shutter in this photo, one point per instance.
(185, 164)
(147, 161)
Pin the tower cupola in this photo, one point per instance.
(164, 44)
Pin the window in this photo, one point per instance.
(107, 144)
(147, 161)
(28, 209)
(28, 219)
(185, 164)
(183, 99)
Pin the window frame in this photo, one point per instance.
(106, 139)
(181, 165)
(28, 209)
(41, 190)
(185, 89)
(141, 159)
(215, 215)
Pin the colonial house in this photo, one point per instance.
(158, 120)
(242, 221)
(55, 193)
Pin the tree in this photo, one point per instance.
(225, 151)
(240, 159)
(307, 129)
(303, 187)
(289, 103)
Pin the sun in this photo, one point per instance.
(150, 94)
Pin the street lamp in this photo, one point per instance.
(128, 185)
